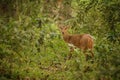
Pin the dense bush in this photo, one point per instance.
(32, 47)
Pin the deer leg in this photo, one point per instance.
(71, 49)
(70, 54)
(92, 53)
(86, 55)
(85, 50)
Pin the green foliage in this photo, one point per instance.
(32, 47)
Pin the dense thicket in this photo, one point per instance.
(32, 48)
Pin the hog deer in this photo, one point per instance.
(82, 41)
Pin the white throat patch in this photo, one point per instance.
(71, 45)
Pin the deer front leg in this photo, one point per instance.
(70, 54)
(71, 49)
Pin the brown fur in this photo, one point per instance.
(82, 41)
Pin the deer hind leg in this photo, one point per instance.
(86, 55)
(92, 53)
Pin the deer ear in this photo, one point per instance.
(60, 27)
(67, 27)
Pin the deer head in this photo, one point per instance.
(64, 29)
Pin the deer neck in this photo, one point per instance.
(66, 37)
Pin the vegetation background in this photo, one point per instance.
(32, 47)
